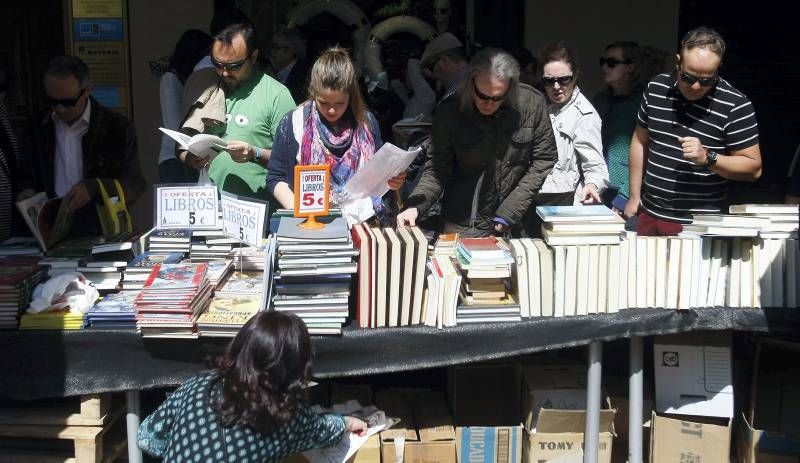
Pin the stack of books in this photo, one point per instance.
(104, 275)
(59, 265)
(172, 298)
(211, 245)
(446, 245)
(248, 258)
(18, 276)
(239, 296)
(113, 312)
(169, 240)
(725, 225)
(137, 271)
(580, 225)
(391, 276)
(484, 295)
(61, 319)
(313, 272)
(20, 246)
(783, 218)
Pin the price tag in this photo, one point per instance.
(311, 188)
(243, 219)
(187, 206)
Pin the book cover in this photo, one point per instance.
(50, 220)
(421, 256)
(408, 250)
(176, 276)
(596, 212)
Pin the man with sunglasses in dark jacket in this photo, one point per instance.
(695, 132)
(77, 142)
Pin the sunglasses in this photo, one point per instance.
(486, 97)
(230, 67)
(613, 62)
(562, 81)
(66, 102)
(703, 81)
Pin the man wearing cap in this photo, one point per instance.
(445, 58)
(76, 143)
(243, 106)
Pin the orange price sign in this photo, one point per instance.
(311, 192)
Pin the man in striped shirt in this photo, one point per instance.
(695, 132)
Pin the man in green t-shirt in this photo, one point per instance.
(254, 105)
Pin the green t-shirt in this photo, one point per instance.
(254, 111)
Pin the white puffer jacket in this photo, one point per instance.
(577, 129)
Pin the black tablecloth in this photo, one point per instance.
(39, 364)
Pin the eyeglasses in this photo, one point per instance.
(230, 67)
(703, 81)
(66, 102)
(486, 97)
(562, 81)
(613, 62)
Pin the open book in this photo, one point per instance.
(49, 220)
(204, 145)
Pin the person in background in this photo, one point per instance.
(444, 57)
(493, 146)
(250, 106)
(251, 406)
(191, 47)
(332, 127)
(417, 96)
(695, 132)
(528, 67)
(580, 175)
(623, 70)
(10, 160)
(77, 142)
(288, 57)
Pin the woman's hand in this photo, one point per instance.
(407, 218)
(395, 183)
(589, 195)
(356, 426)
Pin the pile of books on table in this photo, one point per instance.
(18, 276)
(239, 295)
(20, 246)
(52, 320)
(580, 225)
(484, 295)
(169, 240)
(211, 245)
(313, 272)
(137, 271)
(172, 298)
(113, 312)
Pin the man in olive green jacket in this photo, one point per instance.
(493, 146)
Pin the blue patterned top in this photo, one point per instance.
(185, 428)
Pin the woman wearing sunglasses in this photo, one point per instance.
(623, 73)
(333, 127)
(580, 175)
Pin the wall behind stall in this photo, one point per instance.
(587, 26)
(155, 26)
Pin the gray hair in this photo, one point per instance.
(294, 39)
(497, 63)
(63, 67)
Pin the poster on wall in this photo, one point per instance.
(99, 37)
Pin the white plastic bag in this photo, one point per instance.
(71, 290)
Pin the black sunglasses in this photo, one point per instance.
(613, 62)
(230, 67)
(703, 81)
(562, 81)
(66, 102)
(486, 97)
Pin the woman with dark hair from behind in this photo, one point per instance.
(190, 49)
(251, 406)
(625, 75)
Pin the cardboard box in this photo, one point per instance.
(426, 427)
(485, 395)
(370, 452)
(689, 439)
(501, 444)
(618, 394)
(693, 374)
(559, 435)
(561, 387)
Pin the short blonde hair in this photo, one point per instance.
(334, 70)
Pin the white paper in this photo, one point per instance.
(194, 207)
(203, 144)
(372, 179)
(243, 220)
(349, 443)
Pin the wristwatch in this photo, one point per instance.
(711, 158)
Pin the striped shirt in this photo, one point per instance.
(723, 120)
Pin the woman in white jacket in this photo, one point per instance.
(580, 175)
